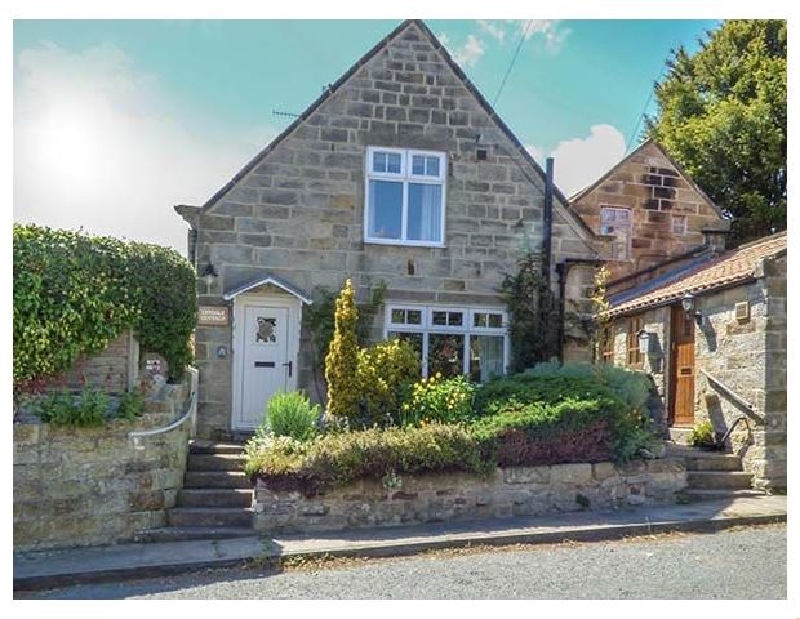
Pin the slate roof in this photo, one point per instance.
(700, 275)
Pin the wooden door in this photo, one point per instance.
(681, 377)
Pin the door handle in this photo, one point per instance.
(289, 363)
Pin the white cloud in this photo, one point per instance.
(551, 31)
(581, 161)
(492, 29)
(469, 53)
(98, 145)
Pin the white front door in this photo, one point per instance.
(266, 364)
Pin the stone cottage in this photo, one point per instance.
(652, 213)
(402, 173)
(712, 332)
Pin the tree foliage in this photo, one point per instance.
(722, 115)
(73, 293)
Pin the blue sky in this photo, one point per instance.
(125, 118)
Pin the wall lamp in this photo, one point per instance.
(209, 274)
(688, 302)
(644, 342)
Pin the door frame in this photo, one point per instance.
(295, 313)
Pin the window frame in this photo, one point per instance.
(673, 219)
(426, 327)
(406, 177)
(627, 224)
(633, 356)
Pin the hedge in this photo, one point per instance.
(73, 293)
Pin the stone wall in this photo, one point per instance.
(654, 190)
(299, 213)
(115, 369)
(524, 491)
(89, 486)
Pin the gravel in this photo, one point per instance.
(734, 564)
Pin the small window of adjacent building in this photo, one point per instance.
(635, 325)
(679, 224)
(616, 222)
(404, 197)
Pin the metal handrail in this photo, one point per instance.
(191, 413)
(733, 395)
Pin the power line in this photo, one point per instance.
(513, 60)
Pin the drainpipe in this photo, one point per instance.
(547, 241)
(561, 273)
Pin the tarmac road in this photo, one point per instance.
(733, 564)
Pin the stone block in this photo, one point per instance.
(570, 473)
(527, 475)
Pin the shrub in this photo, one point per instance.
(614, 394)
(703, 433)
(131, 406)
(341, 362)
(73, 293)
(445, 401)
(90, 408)
(386, 371)
(372, 453)
(291, 414)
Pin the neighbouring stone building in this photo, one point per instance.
(651, 211)
(725, 358)
(401, 173)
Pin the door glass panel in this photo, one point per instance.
(265, 330)
(445, 354)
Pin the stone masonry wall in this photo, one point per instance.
(650, 186)
(523, 491)
(91, 486)
(299, 214)
(114, 369)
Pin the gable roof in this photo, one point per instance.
(580, 194)
(700, 275)
(269, 279)
(255, 161)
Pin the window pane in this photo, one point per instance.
(440, 318)
(455, 319)
(393, 163)
(415, 317)
(385, 209)
(486, 357)
(445, 354)
(418, 164)
(479, 320)
(424, 212)
(496, 321)
(432, 166)
(398, 316)
(379, 162)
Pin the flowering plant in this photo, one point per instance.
(439, 400)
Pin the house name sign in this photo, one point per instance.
(212, 316)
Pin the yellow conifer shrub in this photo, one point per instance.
(341, 362)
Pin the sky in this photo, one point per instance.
(116, 121)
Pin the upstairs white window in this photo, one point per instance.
(404, 197)
(616, 222)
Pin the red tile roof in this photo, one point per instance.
(735, 266)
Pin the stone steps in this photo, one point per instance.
(713, 462)
(238, 517)
(718, 480)
(215, 497)
(210, 448)
(215, 462)
(720, 494)
(216, 479)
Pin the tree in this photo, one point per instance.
(341, 363)
(722, 115)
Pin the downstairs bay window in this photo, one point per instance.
(453, 341)
(404, 197)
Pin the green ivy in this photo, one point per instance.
(73, 293)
